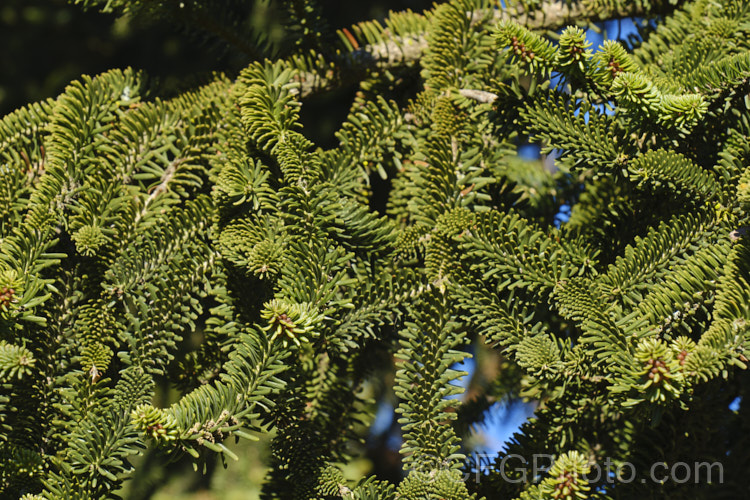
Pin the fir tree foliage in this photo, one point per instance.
(130, 224)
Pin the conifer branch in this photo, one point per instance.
(629, 323)
(394, 52)
(162, 187)
(555, 14)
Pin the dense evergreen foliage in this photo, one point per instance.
(206, 242)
